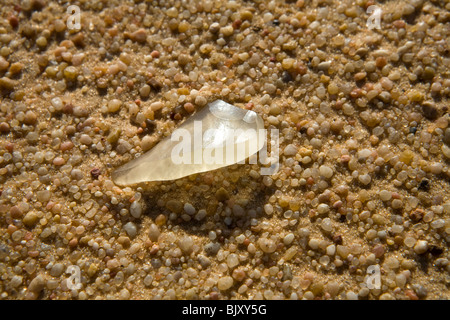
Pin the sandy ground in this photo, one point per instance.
(364, 141)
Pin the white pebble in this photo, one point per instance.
(288, 239)
(364, 179)
(136, 209)
(130, 229)
(326, 171)
(290, 150)
(323, 208)
(421, 247)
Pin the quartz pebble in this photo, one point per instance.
(131, 229)
(136, 209)
(421, 247)
(225, 283)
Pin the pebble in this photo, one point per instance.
(421, 247)
(131, 229)
(385, 195)
(323, 208)
(57, 270)
(200, 101)
(211, 248)
(136, 209)
(227, 31)
(124, 294)
(85, 139)
(288, 239)
(225, 283)
(290, 150)
(326, 171)
(267, 245)
(365, 179)
(37, 284)
(139, 36)
(186, 244)
(154, 232)
(114, 105)
(189, 209)
(3, 64)
(30, 219)
(204, 261)
(155, 106)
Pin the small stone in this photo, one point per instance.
(114, 105)
(174, 205)
(189, 209)
(37, 284)
(136, 209)
(239, 275)
(287, 240)
(155, 106)
(365, 179)
(112, 137)
(385, 195)
(124, 294)
(267, 245)
(189, 107)
(59, 161)
(446, 151)
(30, 219)
(139, 36)
(3, 64)
(113, 264)
(323, 208)
(386, 296)
(16, 212)
(326, 171)
(332, 288)
(342, 251)
(396, 204)
(211, 248)
(57, 270)
(4, 127)
(95, 173)
(214, 27)
(222, 194)
(421, 247)
(270, 88)
(16, 67)
(227, 31)
(7, 83)
(200, 101)
(16, 281)
(333, 88)
(417, 215)
(145, 91)
(225, 283)
(420, 290)
(154, 233)
(13, 21)
(124, 241)
(446, 137)
(290, 150)
(131, 229)
(85, 139)
(41, 42)
(430, 110)
(204, 261)
(186, 243)
(379, 219)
